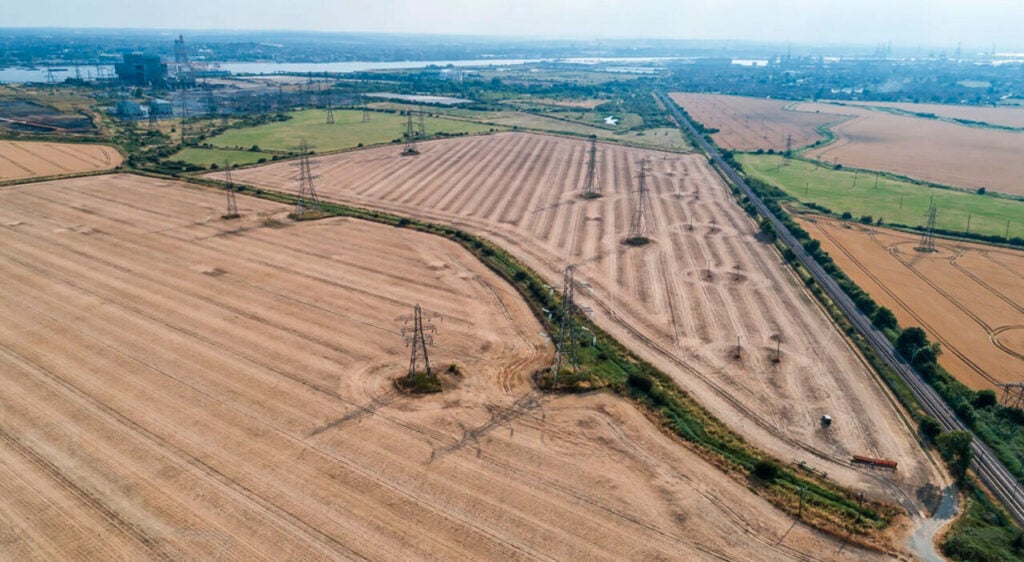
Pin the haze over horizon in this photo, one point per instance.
(983, 24)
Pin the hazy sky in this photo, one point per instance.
(977, 23)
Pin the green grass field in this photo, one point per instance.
(895, 201)
(206, 156)
(348, 131)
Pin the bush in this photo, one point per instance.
(847, 215)
(930, 428)
(766, 470)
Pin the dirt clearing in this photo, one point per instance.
(680, 302)
(24, 160)
(968, 297)
(179, 386)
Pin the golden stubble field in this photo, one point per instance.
(24, 160)
(680, 302)
(927, 149)
(968, 297)
(746, 123)
(177, 386)
(1003, 115)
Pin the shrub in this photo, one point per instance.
(985, 399)
(766, 470)
(930, 428)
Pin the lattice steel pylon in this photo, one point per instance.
(308, 202)
(410, 136)
(928, 236)
(330, 111)
(638, 224)
(1013, 395)
(232, 210)
(366, 110)
(566, 348)
(591, 187)
(418, 336)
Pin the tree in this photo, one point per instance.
(930, 428)
(955, 448)
(884, 319)
(985, 399)
(911, 340)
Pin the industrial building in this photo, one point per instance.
(138, 69)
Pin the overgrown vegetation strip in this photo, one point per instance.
(986, 464)
(609, 364)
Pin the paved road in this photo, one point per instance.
(990, 471)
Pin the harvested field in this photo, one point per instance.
(25, 160)
(926, 149)
(746, 123)
(1000, 116)
(178, 386)
(679, 302)
(968, 297)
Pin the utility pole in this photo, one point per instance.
(418, 337)
(928, 237)
(410, 137)
(591, 190)
(184, 115)
(308, 202)
(566, 348)
(638, 225)
(232, 211)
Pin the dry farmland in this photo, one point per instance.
(24, 160)
(178, 386)
(746, 123)
(968, 297)
(680, 302)
(1003, 115)
(926, 149)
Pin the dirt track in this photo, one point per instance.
(746, 123)
(968, 297)
(179, 386)
(521, 191)
(24, 160)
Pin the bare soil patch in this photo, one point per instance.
(178, 386)
(968, 297)
(24, 160)
(680, 302)
(745, 123)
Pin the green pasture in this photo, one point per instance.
(894, 201)
(348, 131)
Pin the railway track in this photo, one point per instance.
(992, 473)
